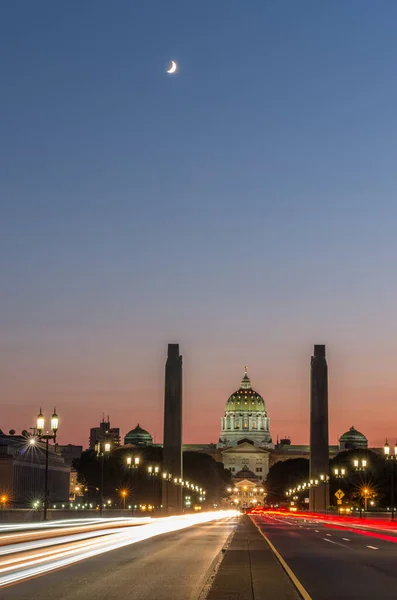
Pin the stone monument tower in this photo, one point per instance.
(319, 445)
(172, 452)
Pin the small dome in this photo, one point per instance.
(245, 399)
(353, 439)
(139, 437)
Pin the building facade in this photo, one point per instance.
(22, 472)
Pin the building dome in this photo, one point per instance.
(139, 437)
(245, 417)
(352, 439)
(245, 399)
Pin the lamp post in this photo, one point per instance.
(102, 447)
(339, 473)
(366, 496)
(359, 465)
(133, 463)
(325, 481)
(46, 437)
(392, 458)
(124, 494)
(153, 472)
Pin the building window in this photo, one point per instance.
(259, 469)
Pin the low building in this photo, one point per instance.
(22, 472)
(70, 452)
(247, 490)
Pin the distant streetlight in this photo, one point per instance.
(124, 494)
(132, 464)
(339, 473)
(366, 493)
(359, 465)
(392, 458)
(45, 437)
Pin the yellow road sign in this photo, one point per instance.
(339, 501)
(339, 494)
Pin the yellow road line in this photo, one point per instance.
(287, 569)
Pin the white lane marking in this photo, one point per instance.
(346, 539)
(335, 543)
(373, 547)
(329, 534)
(317, 531)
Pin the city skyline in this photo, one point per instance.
(243, 207)
(150, 415)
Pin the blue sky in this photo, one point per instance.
(244, 207)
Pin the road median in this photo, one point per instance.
(250, 570)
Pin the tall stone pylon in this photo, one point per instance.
(172, 495)
(319, 444)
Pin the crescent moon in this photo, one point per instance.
(173, 67)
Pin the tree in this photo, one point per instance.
(143, 488)
(206, 472)
(375, 477)
(283, 475)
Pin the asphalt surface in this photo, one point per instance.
(174, 566)
(334, 562)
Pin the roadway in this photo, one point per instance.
(172, 561)
(332, 561)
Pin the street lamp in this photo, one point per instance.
(102, 447)
(359, 465)
(339, 473)
(365, 493)
(133, 465)
(324, 479)
(392, 458)
(46, 437)
(124, 495)
(153, 472)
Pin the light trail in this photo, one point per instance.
(51, 530)
(32, 564)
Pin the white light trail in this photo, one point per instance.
(38, 563)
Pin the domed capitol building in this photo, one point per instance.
(245, 415)
(245, 445)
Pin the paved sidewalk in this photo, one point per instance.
(250, 570)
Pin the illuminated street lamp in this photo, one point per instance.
(124, 494)
(392, 458)
(45, 437)
(366, 494)
(133, 464)
(339, 473)
(359, 465)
